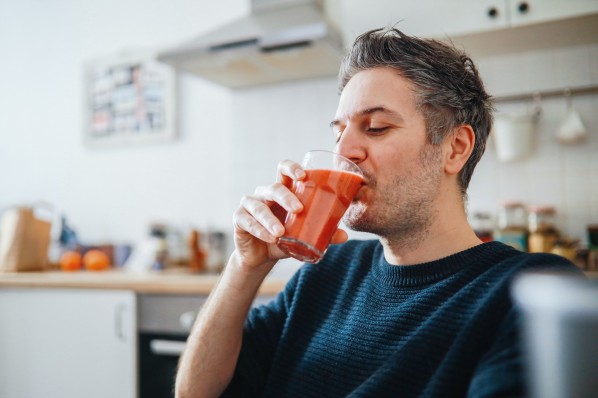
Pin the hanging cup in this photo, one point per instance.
(514, 135)
(571, 130)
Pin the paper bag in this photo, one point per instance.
(24, 240)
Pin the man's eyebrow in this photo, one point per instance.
(369, 111)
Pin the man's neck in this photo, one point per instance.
(448, 234)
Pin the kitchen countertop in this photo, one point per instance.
(165, 282)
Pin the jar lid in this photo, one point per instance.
(508, 204)
(541, 209)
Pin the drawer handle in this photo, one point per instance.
(167, 347)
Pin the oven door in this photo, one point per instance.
(158, 359)
(164, 324)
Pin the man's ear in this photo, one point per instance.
(459, 146)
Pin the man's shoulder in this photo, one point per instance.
(508, 260)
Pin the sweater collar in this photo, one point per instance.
(429, 272)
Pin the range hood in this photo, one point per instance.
(281, 40)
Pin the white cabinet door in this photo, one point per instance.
(430, 18)
(59, 343)
(523, 12)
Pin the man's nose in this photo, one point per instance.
(352, 145)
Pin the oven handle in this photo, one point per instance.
(167, 347)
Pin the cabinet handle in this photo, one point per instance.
(492, 12)
(523, 7)
(119, 331)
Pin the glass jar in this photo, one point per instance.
(483, 226)
(512, 225)
(542, 227)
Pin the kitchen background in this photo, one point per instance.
(229, 141)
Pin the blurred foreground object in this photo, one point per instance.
(560, 325)
(24, 239)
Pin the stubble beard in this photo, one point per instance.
(401, 213)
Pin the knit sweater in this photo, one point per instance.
(355, 325)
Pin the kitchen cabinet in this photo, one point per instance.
(423, 17)
(432, 18)
(67, 343)
(99, 334)
(522, 12)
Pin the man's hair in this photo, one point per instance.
(449, 90)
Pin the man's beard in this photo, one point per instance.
(403, 211)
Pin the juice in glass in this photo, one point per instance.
(325, 194)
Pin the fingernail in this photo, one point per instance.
(296, 206)
(299, 173)
(277, 229)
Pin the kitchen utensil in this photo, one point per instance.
(514, 135)
(572, 130)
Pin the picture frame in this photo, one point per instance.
(130, 99)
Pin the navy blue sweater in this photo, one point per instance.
(355, 325)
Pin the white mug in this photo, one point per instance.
(572, 129)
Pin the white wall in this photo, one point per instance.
(229, 142)
(108, 194)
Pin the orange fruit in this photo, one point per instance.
(96, 260)
(70, 261)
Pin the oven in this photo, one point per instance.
(164, 325)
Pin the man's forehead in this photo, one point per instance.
(376, 88)
(365, 111)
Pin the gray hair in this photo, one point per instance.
(449, 90)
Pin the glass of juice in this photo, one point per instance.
(331, 183)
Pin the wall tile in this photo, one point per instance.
(504, 75)
(563, 176)
(573, 65)
(593, 53)
(541, 70)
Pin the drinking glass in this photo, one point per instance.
(331, 183)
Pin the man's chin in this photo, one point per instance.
(355, 216)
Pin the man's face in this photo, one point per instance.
(380, 129)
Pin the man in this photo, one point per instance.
(424, 310)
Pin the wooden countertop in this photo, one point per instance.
(165, 282)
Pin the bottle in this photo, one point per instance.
(197, 256)
(216, 253)
(512, 225)
(158, 234)
(483, 226)
(543, 232)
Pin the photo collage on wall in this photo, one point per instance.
(129, 101)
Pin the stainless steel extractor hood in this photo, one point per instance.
(280, 40)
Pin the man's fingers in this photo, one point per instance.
(263, 214)
(280, 194)
(290, 169)
(244, 221)
(340, 236)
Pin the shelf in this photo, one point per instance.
(565, 92)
